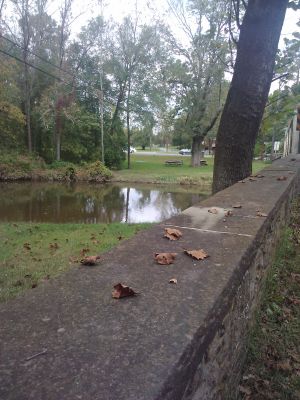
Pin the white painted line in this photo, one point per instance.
(209, 231)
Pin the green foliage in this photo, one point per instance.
(97, 171)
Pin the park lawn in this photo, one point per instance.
(32, 252)
(272, 368)
(152, 169)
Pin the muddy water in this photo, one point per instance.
(93, 203)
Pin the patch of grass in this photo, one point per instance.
(31, 253)
(272, 369)
(152, 169)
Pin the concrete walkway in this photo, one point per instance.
(94, 347)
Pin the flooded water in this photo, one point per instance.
(92, 203)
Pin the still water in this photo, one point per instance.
(92, 203)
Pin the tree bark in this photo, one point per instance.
(196, 151)
(248, 93)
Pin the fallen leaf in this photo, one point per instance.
(34, 285)
(242, 181)
(53, 246)
(84, 251)
(121, 290)
(172, 234)
(90, 260)
(228, 213)
(257, 176)
(213, 210)
(173, 280)
(165, 258)
(284, 365)
(261, 214)
(252, 179)
(27, 246)
(281, 178)
(73, 259)
(237, 205)
(197, 254)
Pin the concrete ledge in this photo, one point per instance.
(172, 342)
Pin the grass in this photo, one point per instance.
(152, 169)
(31, 253)
(272, 369)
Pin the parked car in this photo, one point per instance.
(132, 150)
(185, 152)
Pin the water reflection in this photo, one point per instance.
(92, 203)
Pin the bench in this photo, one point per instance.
(173, 162)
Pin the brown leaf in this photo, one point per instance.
(257, 176)
(121, 290)
(84, 251)
(53, 246)
(27, 246)
(237, 205)
(172, 234)
(261, 214)
(197, 254)
(284, 365)
(90, 260)
(281, 178)
(173, 280)
(213, 210)
(34, 285)
(228, 213)
(165, 258)
(73, 259)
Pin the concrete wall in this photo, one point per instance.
(171, 342)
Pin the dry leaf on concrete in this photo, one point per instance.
(213, 210)
(281, 178)
(228, 213)
(237, 205)
(121, 290)
(165, 258)
(197, 254)
(172, 234)
(173, 280)
(257, 176)
(261, 214)
(90, 260)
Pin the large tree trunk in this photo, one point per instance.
(196, 151)
(248, 92)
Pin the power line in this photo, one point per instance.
(36, 55)
(32, 66)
